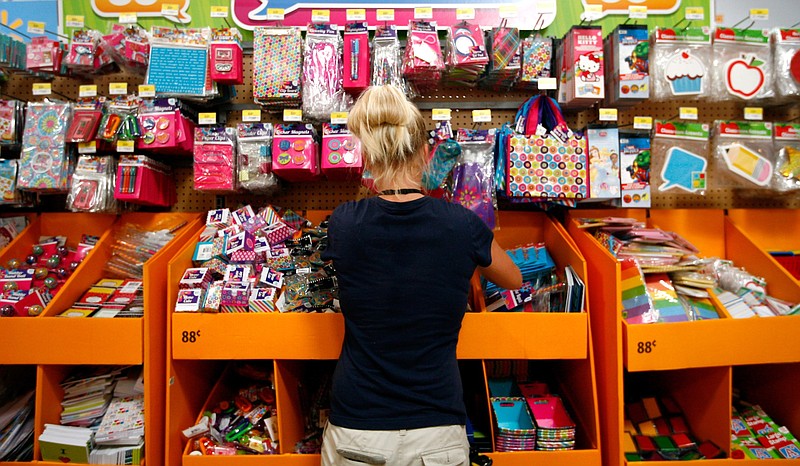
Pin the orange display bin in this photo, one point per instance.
(199, 343)
(713, 344)
(772, 230)
(28, 215)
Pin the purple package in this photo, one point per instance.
(472, 188)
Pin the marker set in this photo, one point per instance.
(142, 180)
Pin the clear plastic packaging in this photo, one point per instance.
(445, 154)
(742, 66)
(473, 175)
(277, 66)
(787, 157)
(254, 144)
(786, 61)
(322, 72)
(132, 247)
(743, 155)
(423, 64)
(681, 64)
(386, 67)
(214, 159)
(44, 163)
(679, 163)
(465, 54)
(92, 188)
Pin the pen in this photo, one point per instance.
(354, 49)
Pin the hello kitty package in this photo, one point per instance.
(583, 75)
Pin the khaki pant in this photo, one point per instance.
(429, 446)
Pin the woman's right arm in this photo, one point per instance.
(502, 271)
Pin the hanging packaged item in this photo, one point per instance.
(322, 72)
(356, 57)
(537, 58)
(465, 54)
(142, 180)
(86, 120)
(504, 59)
(214, 159)
(164, 127)
(295, 152)
(787, 157)
(341, 153)
(189, 47)
(423, 64)
(473, 174)
(679, 163)
(128, 46)
(444, 155)
(742, 65)
(119, 120)
(254, 144)
(682, 64)
(92, 187)
(277, 66)
(226, 56)
(43, 162)
(8, 183)
(386, 66)
(634, 151)
(603, 162)
(86, 54)
(545, 158)
(743, 154)
(13, 53)
(627, 53)
(786, 62)
(45, 55)
(583, 67)
(11, 118)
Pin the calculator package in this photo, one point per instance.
(254, 143)
(680, 158)
(681, 64)
(743, 154)
(742, 65)
(787, 157)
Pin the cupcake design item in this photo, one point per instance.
(685, 73)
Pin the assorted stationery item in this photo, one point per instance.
(265, 261)
(465, 54)
(582, 67)
(254, 162)
(755, 435)
(110, 298)
(527, 415)
(17, 399)
(44, 161)
(28, 285)
(680, 153)
(473, 180)
(742, 65)
(627, 53)
(322, 72)
(656, 429)
(664, 278)
(277, 66)
(92, 186)
(544, 288)
(244, 422)
(744, 154)
(423, 64)
(10, 227)
(135, 245)
(682, 63)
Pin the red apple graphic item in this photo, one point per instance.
(744, 78)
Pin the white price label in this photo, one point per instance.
(356, 14)
(339, 118)
(219, 12)
(87, 90)
(546, 84)
(695, 13)
(688, 113)
(128, 18)
(508, 11)
(170, 9)
(88, 147)
(275, 14)
(637, 12)
(384, 14)
(251, 115)
(754, 113)
(759, 14)
(423, 13)
(147, 90)
(607, 114)
(42, 89)
(463, 14)
(125, 146)
(209, 118)
(642, 122)
(35, 27)
(74, 21)
(482, 116)
(320, 16)
(292, 114)
(441, 114)
(117, 88)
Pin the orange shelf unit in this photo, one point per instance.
(706, 344)
(769, 229)
(30, 217)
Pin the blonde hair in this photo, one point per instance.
(392, 134)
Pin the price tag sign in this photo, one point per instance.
(463, 14)
(759, 14)
(546, 84)
(754, 113)
(147, 90)
(74, 21)
(423, 13)
(339, 118)
(482, 116)
(125, 146)
(251, 115)
(128, 18)
(546, 7)
(593, 12)
(508, 11)
(320, 16)
(637, 12)
(42, 89)
(642, 122)
(275, 14)
(209, 118)
(170, 9)
(117, 88)
(88, 147)
(688, 113)
(292, 114)
(440, 114)
(384, 14)
(35, 27)
(219, 12)
(87, 90)
(695, 13)
(356, 14)
(608, 114)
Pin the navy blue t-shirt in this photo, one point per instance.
(404, 272)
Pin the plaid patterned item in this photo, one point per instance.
(505, 61)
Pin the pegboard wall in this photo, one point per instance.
(325, 195)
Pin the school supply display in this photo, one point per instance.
(465, 54)
(743, 154)
(356, 76)
(423, 64)
(627, 53)
(742, 65)
(214, 159)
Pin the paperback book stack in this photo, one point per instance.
(120, 435)
(87, 396)
(16, 427)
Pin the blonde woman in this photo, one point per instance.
(404, 262)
